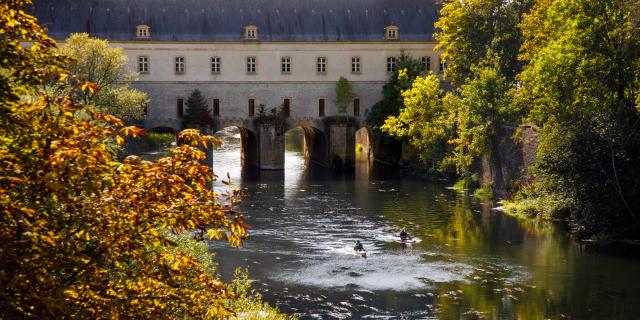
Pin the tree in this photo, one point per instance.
(94, 61)
(197, 114)
(580, 85)
(456, 128)
(480, 40)
(344, 94)
(391, 102)
(474, 32)
(424, 121)
(85, 236)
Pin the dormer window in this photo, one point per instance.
(251, 32)
(142, 32)
(391, 33)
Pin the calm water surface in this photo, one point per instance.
(471, 261)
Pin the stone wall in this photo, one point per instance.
(162, 109)
(509, 161)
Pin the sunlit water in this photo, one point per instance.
(469, 260)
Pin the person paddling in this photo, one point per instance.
(404, 236)
(358, 246)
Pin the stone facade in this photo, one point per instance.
(266, 51)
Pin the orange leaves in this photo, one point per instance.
(89, 88)
(83, 235)
(112, 120)
(131, 131)
(196, 139)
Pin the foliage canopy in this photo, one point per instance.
(81, 234)
(197, 114)
(344, 94)
(94, 61)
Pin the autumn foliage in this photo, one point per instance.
(81, 234)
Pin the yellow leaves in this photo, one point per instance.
(132, 131)
(112, 120)
(91, 87)
(215, 234)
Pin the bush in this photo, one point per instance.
(483, 193)
(156, 140)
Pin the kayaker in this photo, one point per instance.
(404, 235)
(358, 246)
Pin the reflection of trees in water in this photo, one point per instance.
(496, 287)
(294, 140)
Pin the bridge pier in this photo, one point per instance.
(330, 142)
(342, 145)
(270, 146)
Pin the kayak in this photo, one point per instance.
(406, 240)
(360, 253)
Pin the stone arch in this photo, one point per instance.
(152, 123)
(316, 144)
(249, 155)
(163, 129)
(364, 143)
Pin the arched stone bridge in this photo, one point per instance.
(328, 141)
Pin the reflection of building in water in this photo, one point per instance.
(245, 55)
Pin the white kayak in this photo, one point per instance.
(406, 240)
(360, 253)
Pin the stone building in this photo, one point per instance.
(243, 54)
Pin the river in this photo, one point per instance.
(469, 261)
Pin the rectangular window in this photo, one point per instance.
(143, 64)
(215, 64)
(216, 107)
(426, 64)
(322, 64)
(252, 107)
(251, 34)
(392, 34)
(443, 65)
(391, 64)
(251, 65)
(179, 65)
(321, 107)
(286, 65)
(180, 107)
(286, 107)
(355, 64)
(356, 107)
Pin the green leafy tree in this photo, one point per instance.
(480, 33)
(344, 94)
(581, 85)
(197, 114)
(424, 121)
(392, 102)
(480, 40)
(94, 61)
(456, 128)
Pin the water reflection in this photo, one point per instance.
(472, 262)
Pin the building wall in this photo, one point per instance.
(269, 86)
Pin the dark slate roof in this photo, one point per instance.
(224, 20)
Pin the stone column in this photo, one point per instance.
(270, 146)
(342, 145)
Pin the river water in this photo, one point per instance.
(468, 262)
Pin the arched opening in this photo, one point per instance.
(163, 129)
(364, 154)
(238, 152)
(309, 142)
(364, 149)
